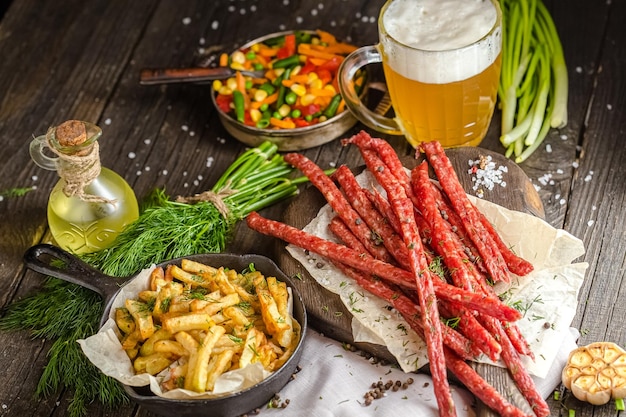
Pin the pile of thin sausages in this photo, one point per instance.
(388, 244)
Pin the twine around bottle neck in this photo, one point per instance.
(78, 171)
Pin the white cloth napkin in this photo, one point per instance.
(333, 382)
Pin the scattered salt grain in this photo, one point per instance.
(548, 148)
(285, 2)
(562, 201)
(486, 174)
(186, 20)
(575, 164)
(588, 176)
(320, 6)
(559, 171)
(146, 169)
(132, 155)
(34, 178)
(164, 172)
(192, 133)
(107, 121)
(299, 19)
(185, 128)
(138, 173)
(196, 182)
(201, 41)
(209, 161)
(231, 8)
(563, 137)
(147, 141)
(215, 25)
(594, 208)
(609, 107)
(579, 70)
(314, 12)
(590, 223)
(200, 177)
(333, 164)
(545, 179)
(242, 11)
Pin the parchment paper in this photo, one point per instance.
(105, 351)
(547, 296)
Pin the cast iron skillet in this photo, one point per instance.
(43, 259)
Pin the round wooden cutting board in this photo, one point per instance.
(326, 312)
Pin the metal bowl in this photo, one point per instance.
(42, 258)
(287, 139)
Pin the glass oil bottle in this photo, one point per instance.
(90, 205)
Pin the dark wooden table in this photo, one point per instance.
(80, 60)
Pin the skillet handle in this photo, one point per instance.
(41, 258)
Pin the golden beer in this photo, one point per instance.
(456, 113)
(441, 60)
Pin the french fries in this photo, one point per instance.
(197, 322)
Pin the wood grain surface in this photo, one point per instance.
(81, 60)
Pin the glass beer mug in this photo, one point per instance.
(441, 60)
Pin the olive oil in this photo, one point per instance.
(90, 205)
(83, 227)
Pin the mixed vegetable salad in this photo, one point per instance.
(299, 87)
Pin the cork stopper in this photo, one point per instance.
(71, 133)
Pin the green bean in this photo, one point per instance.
(290, 61)
(331, 110)
(240, 109)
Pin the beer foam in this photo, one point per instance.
(430, 36)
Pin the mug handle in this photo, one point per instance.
(350, 65)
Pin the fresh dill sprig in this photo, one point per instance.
(16, 192)
(65, 313)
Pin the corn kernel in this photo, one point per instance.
(295, 71)
(330, 87)
(300, 90)
(217, 84)
(255, 115)
(255, 47)
(238, 57)
(312, 77)
(307, 99)
(316, 84)
(260, 95)
(231, 83)
(224, 90)
(284, 110)
(279, 72)
(237, 66)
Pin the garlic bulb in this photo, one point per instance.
(596, 373)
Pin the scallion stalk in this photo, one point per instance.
(533, 85)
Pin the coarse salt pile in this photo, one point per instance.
(485, 175)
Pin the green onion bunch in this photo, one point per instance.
(169, 229)
(533, 85)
